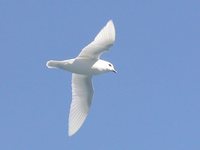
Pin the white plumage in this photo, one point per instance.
(83, 67)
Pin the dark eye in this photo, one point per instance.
(109, 65)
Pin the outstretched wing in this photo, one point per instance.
(102, 42)
(82, 93)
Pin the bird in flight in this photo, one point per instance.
(83, 67)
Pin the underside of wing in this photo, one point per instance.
(102, 42)
(82, 93)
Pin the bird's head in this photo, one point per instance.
(110, 67)
(102, 66)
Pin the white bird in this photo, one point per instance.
(83, 67)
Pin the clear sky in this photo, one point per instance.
(152, 103)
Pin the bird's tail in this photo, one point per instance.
(53, 64)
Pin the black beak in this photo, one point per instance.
(114, 71)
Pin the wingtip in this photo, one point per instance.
(110, 25)
(70, 134)
(71, 131)
(110, 22)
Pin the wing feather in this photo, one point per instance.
(82, 93)
(102, 42)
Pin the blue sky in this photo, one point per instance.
(152, 103)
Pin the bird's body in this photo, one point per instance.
(83, 67)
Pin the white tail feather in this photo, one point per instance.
(53, 64)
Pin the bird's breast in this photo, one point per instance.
(81, 66)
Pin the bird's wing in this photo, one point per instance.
(102, 42)
(82, 93)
